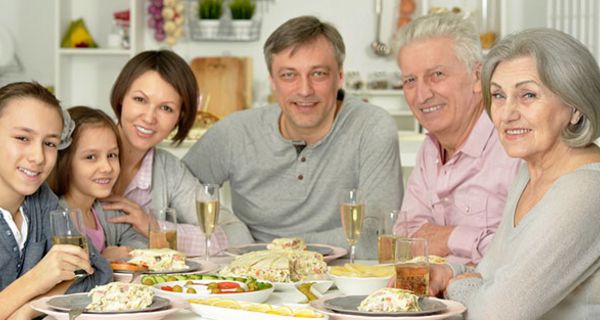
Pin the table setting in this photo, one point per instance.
(282, 280)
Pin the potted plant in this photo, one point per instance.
(209, 13)
(241, 15)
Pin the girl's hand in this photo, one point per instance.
(58, 265)
(134, 214)
(112, 253)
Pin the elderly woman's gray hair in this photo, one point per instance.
(457, 27)
(565, 66)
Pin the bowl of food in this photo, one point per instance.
(244, 289)
(358, 279)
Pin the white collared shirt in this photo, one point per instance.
(20, 234)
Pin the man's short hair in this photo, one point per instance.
(302, 30)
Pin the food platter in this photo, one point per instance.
(329, 253)
(193, 266)
(80, 300)
(349, 305)
(452, 308)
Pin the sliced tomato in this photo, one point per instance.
(166, 288)
(228, 285)
(126, 266)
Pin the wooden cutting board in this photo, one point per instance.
(224, 82)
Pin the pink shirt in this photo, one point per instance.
(139, 189)
(468, 191)
(96, 235)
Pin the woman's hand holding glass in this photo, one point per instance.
(207, 209)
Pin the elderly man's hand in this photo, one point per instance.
(437, 236)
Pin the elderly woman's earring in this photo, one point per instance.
(576, 116)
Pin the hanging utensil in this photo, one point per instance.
(380, 48)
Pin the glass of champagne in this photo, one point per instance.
(68, 228)
(207, 209)
(412, 265)
(162, 235)
(352, 210)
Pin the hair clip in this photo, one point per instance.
(68, 127)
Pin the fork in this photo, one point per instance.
(75, 312)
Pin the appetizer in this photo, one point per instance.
(159, 259)
(119, 296)
(390, 300)
(287, 243)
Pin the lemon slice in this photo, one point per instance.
(259, 307)
(226, 303)
(282, 311)
(306, 313)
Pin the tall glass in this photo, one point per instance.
(412, 265)
(207, 209)
(352, 211)
(67, 227)
(386, 240)
(162, 235)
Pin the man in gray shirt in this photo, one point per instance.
(288, 163)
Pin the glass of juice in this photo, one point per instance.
(163, 234)
(412, 265)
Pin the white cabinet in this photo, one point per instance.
(84, 76)
(393, 102)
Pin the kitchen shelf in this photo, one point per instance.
(95, 51)
(84, 76)
(394, 103)
(226, 29)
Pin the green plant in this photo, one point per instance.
(242, 9)
(210, 9)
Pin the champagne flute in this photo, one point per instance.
(352, 210)
(68, 228)
(207, 209)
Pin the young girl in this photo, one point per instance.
(88, 170)
(31, 132)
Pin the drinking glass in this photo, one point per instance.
(412, 265)
(207, 209)
(352, 211)
(67, 227)
(162, 235)
(386, 239)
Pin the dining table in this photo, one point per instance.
(292, 298)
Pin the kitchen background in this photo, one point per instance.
(31, 33)
(37, 29)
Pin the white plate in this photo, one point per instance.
(454, 308)
(81, 300)
(332, 252)
(253, 296)
(219, 313)
(42, 306)
(349, 305)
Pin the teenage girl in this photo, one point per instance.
(31, 133)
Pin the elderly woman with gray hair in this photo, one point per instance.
(542, 90)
